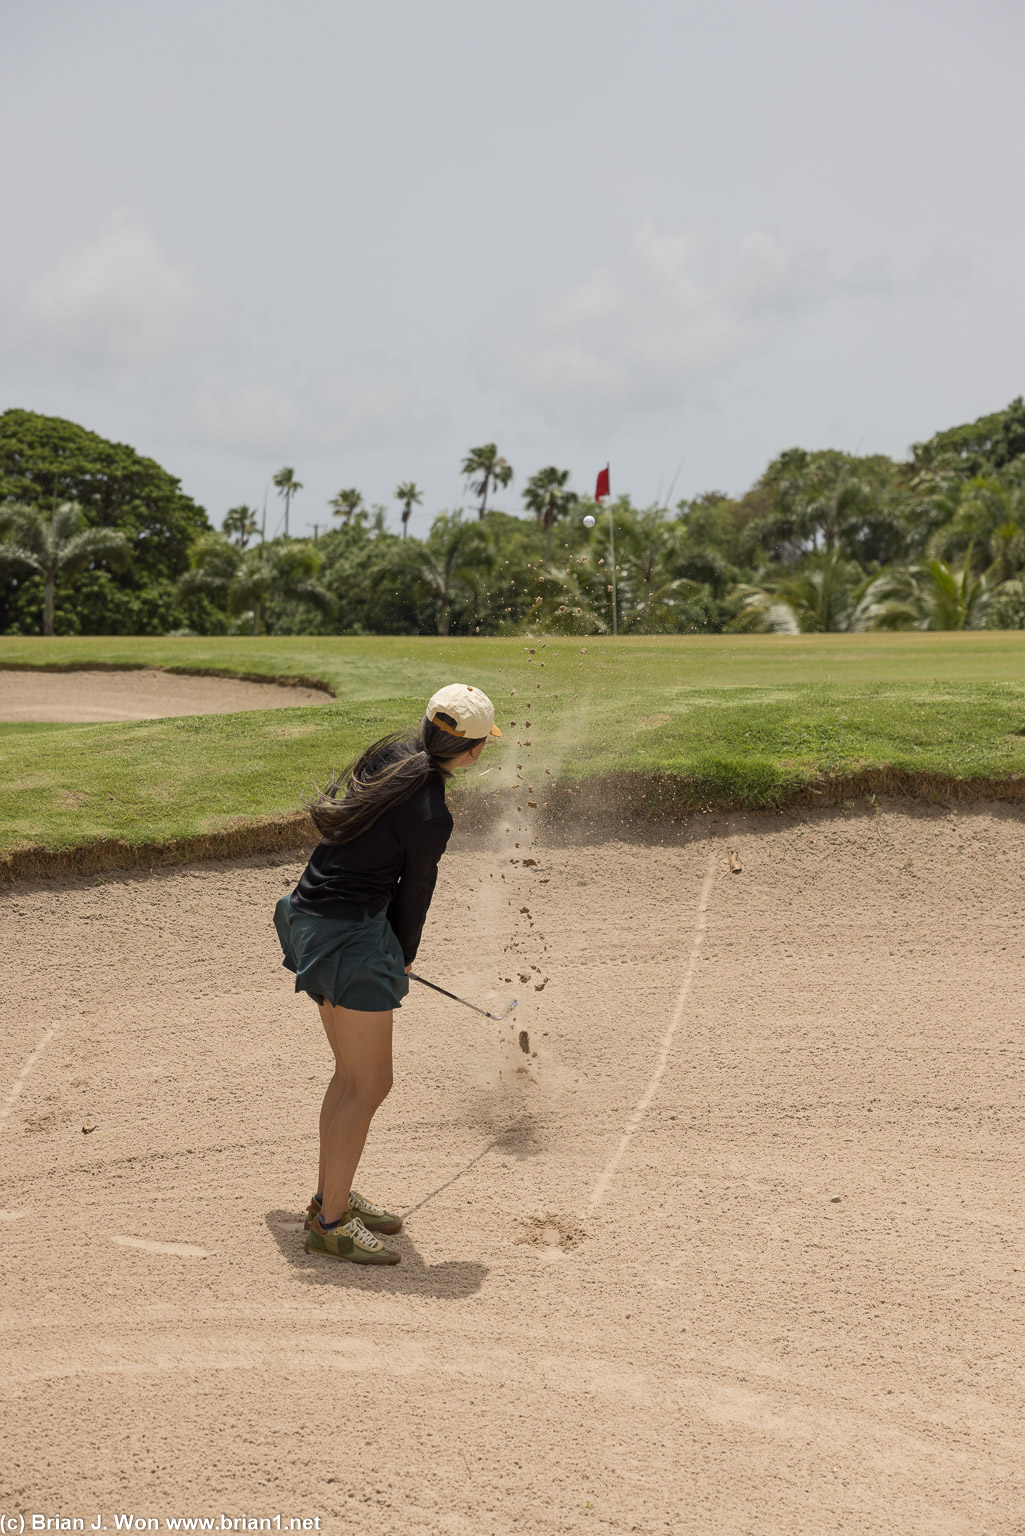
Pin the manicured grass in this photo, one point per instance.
(379, 667)
(748, 721)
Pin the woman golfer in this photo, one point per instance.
(350, 932)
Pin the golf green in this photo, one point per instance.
(745, 721)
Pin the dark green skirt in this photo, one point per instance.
(351, 962)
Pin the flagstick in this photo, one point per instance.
(607, 491)
(612, 546)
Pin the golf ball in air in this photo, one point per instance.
(588, 521)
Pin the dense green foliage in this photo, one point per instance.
(56, 546)
(245, 580)
(991, 443)
(739, 720)
(46, 462)
(824, 542)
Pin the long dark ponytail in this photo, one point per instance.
(388, 772)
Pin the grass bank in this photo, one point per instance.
(672, 724)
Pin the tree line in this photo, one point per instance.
(96, 539)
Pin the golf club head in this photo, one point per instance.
(498, 1017)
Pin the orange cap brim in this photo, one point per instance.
(450, 732)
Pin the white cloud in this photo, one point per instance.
(662, 325)
(366, 400)
(115, 313)
(114, 300)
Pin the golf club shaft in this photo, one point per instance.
(424, 983)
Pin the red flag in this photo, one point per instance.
(602, 488)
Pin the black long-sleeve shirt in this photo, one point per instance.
(393, 864)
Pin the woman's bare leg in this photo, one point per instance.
(334, 1092)
(362, 1046)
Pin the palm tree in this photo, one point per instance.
(927, 595)
(410, 495)
(346, 504)
(244, 579)
(759, 612)
(933, 507)
(282, 570)
(1007, 547)
(485, 467)
(820, 502)
(214, 562)
(823, 597)
(546, 496)
(572, 605)
(287, 486)
(56, 546)
(446, 568)
(989, 520)
(652, 579)
(1007, 610)
(240, 523)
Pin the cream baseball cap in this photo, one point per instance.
(472, 711)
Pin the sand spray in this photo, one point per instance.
(516, 1065)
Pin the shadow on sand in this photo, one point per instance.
(518, 1140)
(453, 1280)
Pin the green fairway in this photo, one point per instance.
(748, 721)
(381, 666)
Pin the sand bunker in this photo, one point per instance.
(762, 1273)
(144, 695)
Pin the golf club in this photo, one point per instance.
(496, 1016)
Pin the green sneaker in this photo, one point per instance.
(350, 1240)
(372, 1216)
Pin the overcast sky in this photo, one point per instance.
(357, 239)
